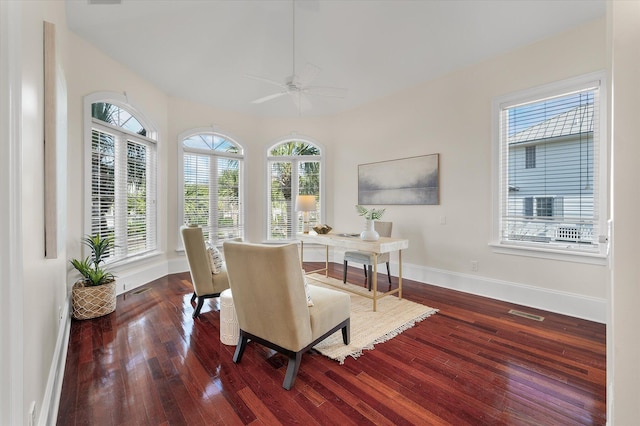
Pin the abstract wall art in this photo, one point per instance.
(413, 180)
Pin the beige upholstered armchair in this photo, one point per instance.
(206, 284)
(272, 307)
(366, 258)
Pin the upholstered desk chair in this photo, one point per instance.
(271, 304)
(366, 258)
(205, 284)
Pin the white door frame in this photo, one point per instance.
(11, 274)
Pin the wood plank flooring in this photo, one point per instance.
(150, 363)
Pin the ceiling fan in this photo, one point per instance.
(298, 84)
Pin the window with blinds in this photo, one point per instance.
(123, 182)
(213, 185)
(550, 191)
(294, 168)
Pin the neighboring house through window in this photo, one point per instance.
(551, 167)
(542, 207)
(212, 184)
(294, 168)
(530, 157)
(121, 184)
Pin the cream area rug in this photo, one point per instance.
(392, 317)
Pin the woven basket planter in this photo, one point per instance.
(93, 301)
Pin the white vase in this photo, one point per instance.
(369, 233)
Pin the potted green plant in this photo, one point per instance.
(94, 294)
(369, 233)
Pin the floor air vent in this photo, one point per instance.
(142, 290)
(526, 315)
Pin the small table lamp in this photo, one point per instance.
(305, 204)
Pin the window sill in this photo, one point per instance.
(129, 261)
(550, 253)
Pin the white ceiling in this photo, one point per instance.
(202, 50)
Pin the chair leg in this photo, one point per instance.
(292, 370)
(346, 333)
(198, 307)
(344, 273)
(242, 343)
(370, 277)
(193, 297)
(389, 275)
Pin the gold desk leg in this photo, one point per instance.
(375, 281)
(399, 274)
(326, 261)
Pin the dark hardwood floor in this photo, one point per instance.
(150, 363)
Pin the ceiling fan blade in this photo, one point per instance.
(333, 92)
(268, 98)
(302, 102)
(306, 76)
(266, 80)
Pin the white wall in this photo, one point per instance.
(452, 116)
(623, 338)
(11, 303)
(45, 295)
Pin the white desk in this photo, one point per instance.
(383, 245)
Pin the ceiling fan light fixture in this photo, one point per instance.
(297, 85)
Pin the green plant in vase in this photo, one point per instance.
(94, 294)
(370, 215)
(89, 267)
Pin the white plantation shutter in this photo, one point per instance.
(213, 185)
(550, 190)
(141, 197)
(280, 207)
(103, 159)
(197, 182)
(309, 184)
(294, 168)
(123, 189)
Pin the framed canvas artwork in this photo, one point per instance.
(413, 180)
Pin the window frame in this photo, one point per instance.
(242, 157)
(536, 249)
(295, 159)
(530, 157)
(151, 139)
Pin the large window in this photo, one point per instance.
(122, 194)
(294, 168)
(551, 192)
(212, 187)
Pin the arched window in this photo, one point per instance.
(213, 184)
(294, 168)
(121, 156)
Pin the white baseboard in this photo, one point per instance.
(571, 304)
(178, 264)
(51, 398)
(132, 278)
